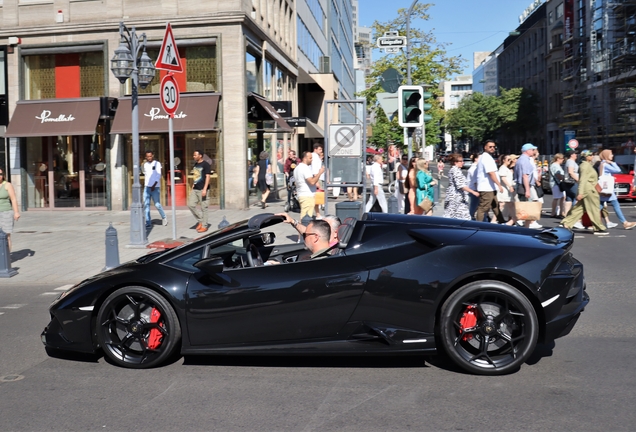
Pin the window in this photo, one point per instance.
(252, 73)
(73, 75)
(559, 11)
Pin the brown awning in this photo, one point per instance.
(196, 112)
(268, 110)
(52, 117)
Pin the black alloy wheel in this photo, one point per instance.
(488, 328)
(137, 328)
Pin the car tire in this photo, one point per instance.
(125, 327)
(488, 328)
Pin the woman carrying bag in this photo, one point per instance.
(607, 167)
(424, 193)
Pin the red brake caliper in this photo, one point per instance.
(154, 338)
(468, 321)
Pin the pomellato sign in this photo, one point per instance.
(45, 117)
(156, 114)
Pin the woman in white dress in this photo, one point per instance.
(506, 198)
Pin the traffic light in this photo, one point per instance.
(410, 106)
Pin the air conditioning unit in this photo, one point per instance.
(325, 64)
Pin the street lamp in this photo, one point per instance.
(127, 63)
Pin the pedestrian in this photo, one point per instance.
(9, 212)
(409, 184)
(262, 171)
(456, 204)
(400, 190)
(316, 165)
(152, 183)
(471, 182)
(570, 181)
(306, 187)
(607, 166)
(526, 179)
(557, 175)
(488, 184)
(377, 185)
(440, 168)
(199, 194)
(587, 200)
(506, 198)
(424, 188)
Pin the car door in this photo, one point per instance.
(295, 301)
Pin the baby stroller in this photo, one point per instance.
(292, 203)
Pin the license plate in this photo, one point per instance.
(621, 190)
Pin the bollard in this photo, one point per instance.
(223, 223)
(5, 257)
(392, 204)
(112, 248)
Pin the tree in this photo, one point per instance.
(429, 65)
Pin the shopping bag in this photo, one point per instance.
(528, 210)
(606, 182)
(320, 197)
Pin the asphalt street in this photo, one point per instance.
(584, 382)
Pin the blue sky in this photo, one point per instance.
(467, 25)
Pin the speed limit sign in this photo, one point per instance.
(169, 94)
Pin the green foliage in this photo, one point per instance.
(429, 65)
(514, 112)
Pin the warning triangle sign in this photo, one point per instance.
(168, 54)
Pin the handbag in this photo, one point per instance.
(528, 210)
(426, 204)
(401, 187)
(269, 179)
(539, 191)
(319, 197)
(560, 184)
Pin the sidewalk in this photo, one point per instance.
(66, 247)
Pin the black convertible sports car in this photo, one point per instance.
(483, 293)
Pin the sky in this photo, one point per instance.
(467, 25)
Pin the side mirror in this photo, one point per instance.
(213, 267)
(263, 239)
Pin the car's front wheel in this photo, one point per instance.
(137, 328)
(488, 327)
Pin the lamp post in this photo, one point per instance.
(127, 63)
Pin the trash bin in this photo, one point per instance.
(179, 190)
(347, 209)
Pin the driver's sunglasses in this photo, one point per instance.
(305, 234)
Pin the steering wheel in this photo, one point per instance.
(254, 258)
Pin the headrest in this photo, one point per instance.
(344, 232)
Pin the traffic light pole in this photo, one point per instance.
(409, 140)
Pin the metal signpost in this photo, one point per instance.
(169, 60)
(344, 149)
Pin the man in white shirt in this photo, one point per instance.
(306, 186)
(316, 165)
(377, 181)
(152, 182)
(488, 184)
(471, 181)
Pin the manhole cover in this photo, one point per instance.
(10, 378)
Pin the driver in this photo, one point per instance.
(317, 236)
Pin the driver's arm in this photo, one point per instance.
(293, 222)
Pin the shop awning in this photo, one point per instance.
(196, 112)
(312, 130)
(260, 109)
(52, 117)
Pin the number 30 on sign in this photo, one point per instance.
(169, 94)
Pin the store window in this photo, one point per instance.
(252, 73)
(200, 71)
(73, 75)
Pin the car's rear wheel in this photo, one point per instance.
(488, 328)
(137, 328)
